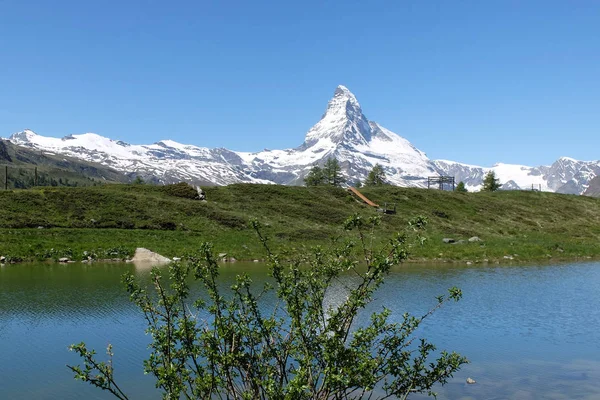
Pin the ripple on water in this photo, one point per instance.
(530, 332)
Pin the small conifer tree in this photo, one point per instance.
(376, 176)
(461, 187)
(332, 172)
(315, 177)
(490, 182)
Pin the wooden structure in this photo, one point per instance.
(362, 196)
(441, 182)
(386, 209)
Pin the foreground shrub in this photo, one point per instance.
(307, 345)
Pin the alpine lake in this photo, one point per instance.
(529, 332)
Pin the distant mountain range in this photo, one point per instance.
(343, 132)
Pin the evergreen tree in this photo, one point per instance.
(461, 187)
(376, 176)
(315, 177)
(490, 182)
(333, 172)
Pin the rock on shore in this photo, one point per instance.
(145, 256)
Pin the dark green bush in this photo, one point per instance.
(180, 189)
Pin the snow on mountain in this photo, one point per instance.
(565, 175)
(470, 175)
(165, 161)
(343, 132)
(510, 175)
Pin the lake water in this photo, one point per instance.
(530, 332)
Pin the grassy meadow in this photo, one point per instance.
(110, 221)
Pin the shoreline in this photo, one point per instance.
(410, 261)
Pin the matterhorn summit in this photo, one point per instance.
(343, 132)
(343, 121)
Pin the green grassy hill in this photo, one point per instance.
(112, 220)
(52, 170)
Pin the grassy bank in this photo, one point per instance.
(111, 221)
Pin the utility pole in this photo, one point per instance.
(35, 183)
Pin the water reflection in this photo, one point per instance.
(530, 332)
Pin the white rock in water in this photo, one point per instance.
(145, 256)
(471, 381)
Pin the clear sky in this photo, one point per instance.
(472, 81)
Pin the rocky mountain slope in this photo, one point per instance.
(164, 162)
(343, 132)
(57, 170)
(565, 175)
(593, 187)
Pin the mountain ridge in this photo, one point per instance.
(343, 132)
(20, 166)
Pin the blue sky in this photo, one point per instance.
(473, 81)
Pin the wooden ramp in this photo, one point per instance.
(362, 197)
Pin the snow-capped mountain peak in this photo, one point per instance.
(24, 136)
(343, 101)
(344, 132)
(343, 121)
